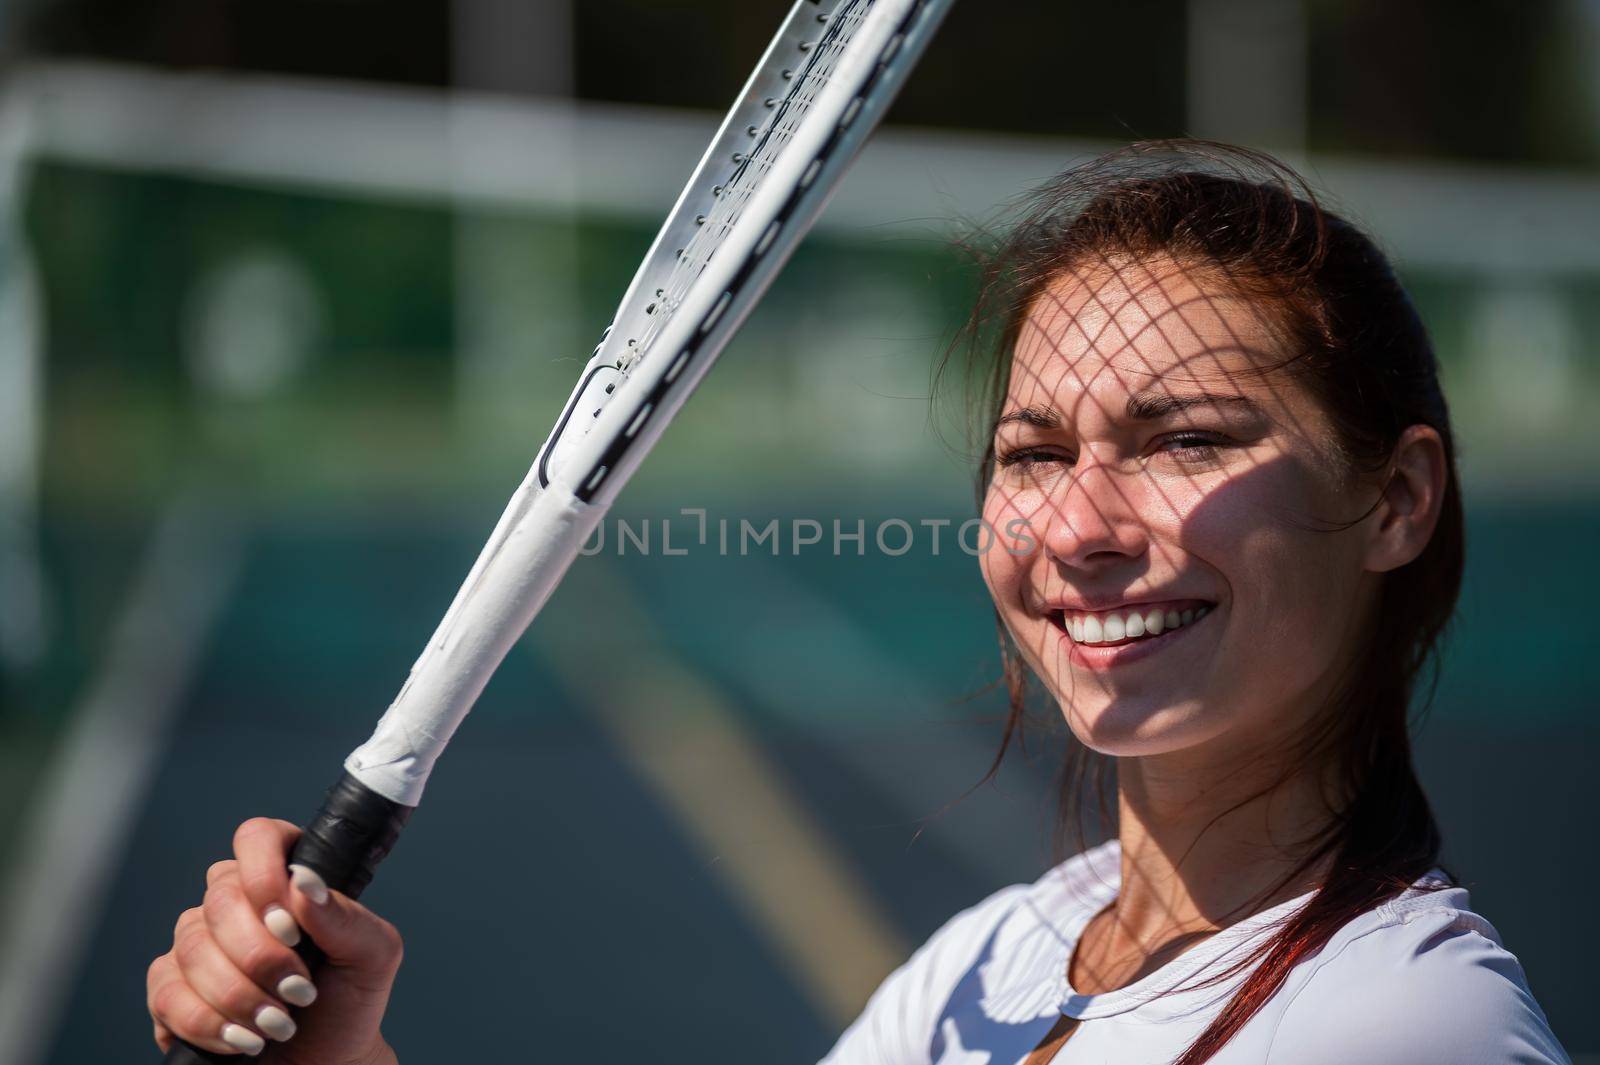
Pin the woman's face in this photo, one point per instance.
(1144, 478)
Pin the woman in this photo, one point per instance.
(1228, 538)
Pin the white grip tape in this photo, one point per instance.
(486, 621)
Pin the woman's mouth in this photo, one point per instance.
(1103, 638)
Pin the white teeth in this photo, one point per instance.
(1114, 628)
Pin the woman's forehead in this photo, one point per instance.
(1126, 325)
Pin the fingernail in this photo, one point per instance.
(281, 924)
(241, 1038)
(296, 990)
(275, 1023)
(308, 883)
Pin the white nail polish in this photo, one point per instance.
(281, 924)
(275, 1023)
(308, 883)
(242, 1038)
(296, 990)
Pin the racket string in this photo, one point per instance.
(735, 193)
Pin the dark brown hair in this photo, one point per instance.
(1359, 347)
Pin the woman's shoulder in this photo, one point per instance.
(1011, 942)
(1066, 895)
(1424, 969)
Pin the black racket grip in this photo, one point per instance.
(354, 831)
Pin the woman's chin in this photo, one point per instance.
(1128, 728)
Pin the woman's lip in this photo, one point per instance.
(1103, 657)
(1143, 606)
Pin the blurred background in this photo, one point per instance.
(290, 291)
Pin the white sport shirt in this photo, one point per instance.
(1420, 980)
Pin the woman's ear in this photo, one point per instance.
(1406, 514)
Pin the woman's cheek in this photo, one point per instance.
(1285, 578)
(1000, 569)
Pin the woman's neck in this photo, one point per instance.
(1212, 849)
(1205, 843)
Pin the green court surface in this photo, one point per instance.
(544, 872)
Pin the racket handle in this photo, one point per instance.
(354, 831)
(345, 841)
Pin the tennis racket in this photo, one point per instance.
(820, 88)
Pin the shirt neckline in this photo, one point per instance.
(1105, 879)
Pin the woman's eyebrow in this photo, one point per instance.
(1038, 417)
(1142, 406)
(1148, 406)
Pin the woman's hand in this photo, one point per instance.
(230, 981)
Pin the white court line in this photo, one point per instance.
(75, 834)
(678, 733)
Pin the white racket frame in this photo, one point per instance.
(626, 396)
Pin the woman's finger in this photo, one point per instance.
(217, 869)
(249, 942)
(179, 1012)
(355, 939)
(228, 991)
(164, 1037)
(262, 846)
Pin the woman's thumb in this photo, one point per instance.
(352, 936)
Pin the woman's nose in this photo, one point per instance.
(1095, 518)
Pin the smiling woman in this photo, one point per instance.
(1222, 473)
(1163, 487)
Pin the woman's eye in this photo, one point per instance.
(1193, 447)
(1030, 456)
(1187, 447)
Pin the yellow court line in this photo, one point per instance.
(681, 736)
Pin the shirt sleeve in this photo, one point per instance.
(1436, 989)
(897, 1026)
